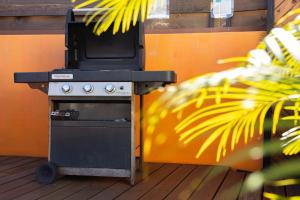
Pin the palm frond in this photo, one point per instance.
(291, 141)
(267, 78)
(119, 13)
(273, 196)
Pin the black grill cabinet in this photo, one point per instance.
(92, 102)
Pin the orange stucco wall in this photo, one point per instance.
(23, 113)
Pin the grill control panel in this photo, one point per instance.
(90, 89)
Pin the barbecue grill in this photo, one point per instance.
(92, 102)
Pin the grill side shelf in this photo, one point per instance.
(31, 77)
(166, 77)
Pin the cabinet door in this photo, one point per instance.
(91, 144)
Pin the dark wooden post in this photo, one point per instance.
(267, 161)
(270, 15)
(268, 129)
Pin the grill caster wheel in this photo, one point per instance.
(47, 173)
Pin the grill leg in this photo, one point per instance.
(132, 180)
(141, 160)
(133, 132)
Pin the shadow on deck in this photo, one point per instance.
(161, 181)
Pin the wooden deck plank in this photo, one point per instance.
(17, 161)
(76, 185)
(12, 160)
(45, 190)
(23, 167)
(185, 189)
(92, 189)
(11, 177)
(211, 184)
(161, 190)
(159, 181)
(18, 173)
(293, 190)
(111, 192)
(3, 158)
(120, 187)
(11, 194)
(231, 187)
(251, 195)
(16, 164)
(16, 183)
(147, 184)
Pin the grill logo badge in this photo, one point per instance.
(62, 76)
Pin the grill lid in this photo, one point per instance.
(86, 51)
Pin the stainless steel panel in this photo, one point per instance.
(101, 89)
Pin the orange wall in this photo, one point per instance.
(23, 116)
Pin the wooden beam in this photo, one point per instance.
(188, 6)
(59, 7)
(34, 7)
(199, 20)
(246, 5)
(32, 23)
(278, 3)
(283, 7)
(48, 15)
(250, 20)
(270, 15)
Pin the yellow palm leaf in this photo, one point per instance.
(210, 140)
(115, 12)
(267, 77)
(291, 139)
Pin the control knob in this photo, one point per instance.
(88, 88)
(66, 88)
(110, 88)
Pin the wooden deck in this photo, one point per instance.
(159, 181)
